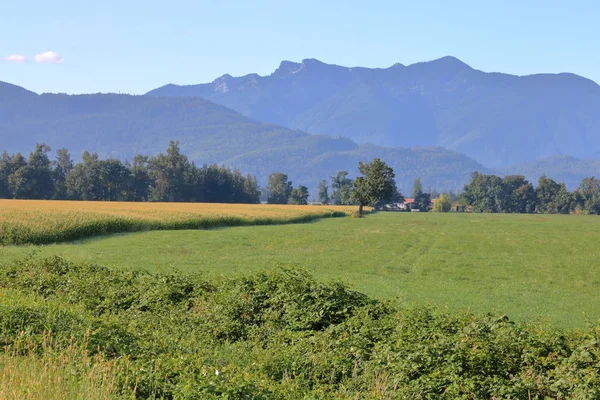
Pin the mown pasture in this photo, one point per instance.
(529, 267)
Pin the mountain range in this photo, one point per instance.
(497, 119)
(120, 126)
(439, 120)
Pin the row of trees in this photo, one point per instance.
(168, 176)
(514, 194)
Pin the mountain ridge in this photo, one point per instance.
(498, 119)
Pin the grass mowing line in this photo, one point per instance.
(43, 222)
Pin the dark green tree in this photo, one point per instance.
(397, 197)
(564, 202)
(83, 181)
(374, 185)
(323, 196)
(33, 180)
(588, 195)
(341, 187)
(483, 193)
(517, 195)
(9, 164)
(251, 190)
(279, 188)
(62, 166)
(422, 199)
(299, 195)
(141, 184)
(545, 194)
(115, 180)
(553, 197)
(172, 174)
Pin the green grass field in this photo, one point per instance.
(530, 267)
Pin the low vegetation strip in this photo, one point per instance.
(40, 222)
(272, 335)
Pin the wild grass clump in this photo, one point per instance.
(270, 335)
(41, 371)
(41, 222)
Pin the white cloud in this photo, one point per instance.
(48, 57)
(16, 58)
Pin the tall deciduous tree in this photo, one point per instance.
(546, 193)
(517, 195)
(341, 187)
(482, 192)
(375, 184)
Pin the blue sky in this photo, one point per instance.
(133, 46)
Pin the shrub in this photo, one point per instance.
(278, 334)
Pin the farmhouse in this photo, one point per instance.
(407, 204)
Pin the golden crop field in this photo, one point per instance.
(43, 221)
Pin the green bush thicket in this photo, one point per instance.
(282, 334)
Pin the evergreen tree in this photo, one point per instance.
(421, 200)
(141, 184)
(63, 165)
(251, 190)
(323, 196)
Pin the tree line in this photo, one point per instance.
(168, 176)
(514, 194)
(172, 177)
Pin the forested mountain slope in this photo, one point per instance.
(569, 170)
(123, 125)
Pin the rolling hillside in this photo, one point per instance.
(122, 125)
